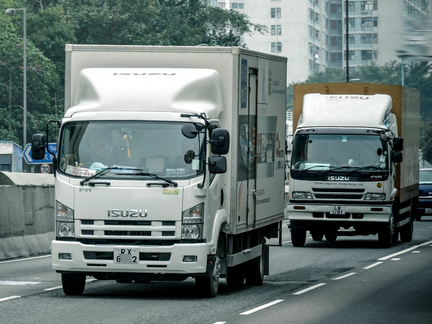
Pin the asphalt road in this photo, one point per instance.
(350, 281)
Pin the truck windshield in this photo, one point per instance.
(130, 148)
(320, 152)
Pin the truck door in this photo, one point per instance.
(246, 173)
(252, 113)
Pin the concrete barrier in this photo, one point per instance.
(26, 214)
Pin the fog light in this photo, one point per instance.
(190, 258)
(65, 256)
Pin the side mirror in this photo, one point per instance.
(396, 156)
(189, 131)
(220, 141)
(217, 164)
(398, 144)
(38, 146)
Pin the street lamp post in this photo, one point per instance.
(24, 10)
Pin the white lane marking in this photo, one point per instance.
(219, 323)
(9, 298)
(18, 283)
(53, 288)
(395, 259)
(26, 259)
(262, 307)
(404, 251)
(416, 251)
(308, 289)
(344, 276)
(372, 265)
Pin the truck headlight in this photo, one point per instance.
(64, 221)
(375, 196)
(192, 223)
(300, 195)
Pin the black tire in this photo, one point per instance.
(235, 276)
(331, 236)
(298, 237)
(73, 284)
(317, 236)
(406, 232)
(389, 235)
(255, 267)
(208, 286)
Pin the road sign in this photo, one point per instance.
(45, 168)
(48, 159)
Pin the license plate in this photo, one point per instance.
(337, 210)
(126, 256)
(428, 210)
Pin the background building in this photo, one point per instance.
(312, 33)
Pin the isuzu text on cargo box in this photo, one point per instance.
(170, 165)
(347, 174)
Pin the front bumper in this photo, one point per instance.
(353, 213)
(88, 258)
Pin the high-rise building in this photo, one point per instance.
(312, 33)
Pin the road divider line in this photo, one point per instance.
(9, 298)
(26, 259)
(372, 265)
(344, 276)
(308, 289)
(395, 259)
(53, 288)
(277, 301)
(404, 251)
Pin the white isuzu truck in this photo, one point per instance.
(347, 175)
(170, 164)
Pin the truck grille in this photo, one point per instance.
(338, 194)
(130, 229)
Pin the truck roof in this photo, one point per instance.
(345, 110)
(148, 89)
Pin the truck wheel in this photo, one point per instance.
(331, 236)
(406, 232)
(298, 237)
(73, 284)
(235, 276)
(207, 286)
(388, 236)
(317, 236)
(255, 273)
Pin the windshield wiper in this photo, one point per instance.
(315, 166)
(155, 176)
(103, 172)
(364, 167)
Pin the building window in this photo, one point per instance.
(351, 39)
(276, 30)
(276, 47)
(351, 22)
(275, 12)
(333, 57)
(366, 55)
(366, 5)
(351, 6)
(366, 39)
(375, 21)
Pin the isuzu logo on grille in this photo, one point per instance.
(337, 178)
(127, 213)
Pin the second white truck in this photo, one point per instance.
(347, 174)
(170, 165)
